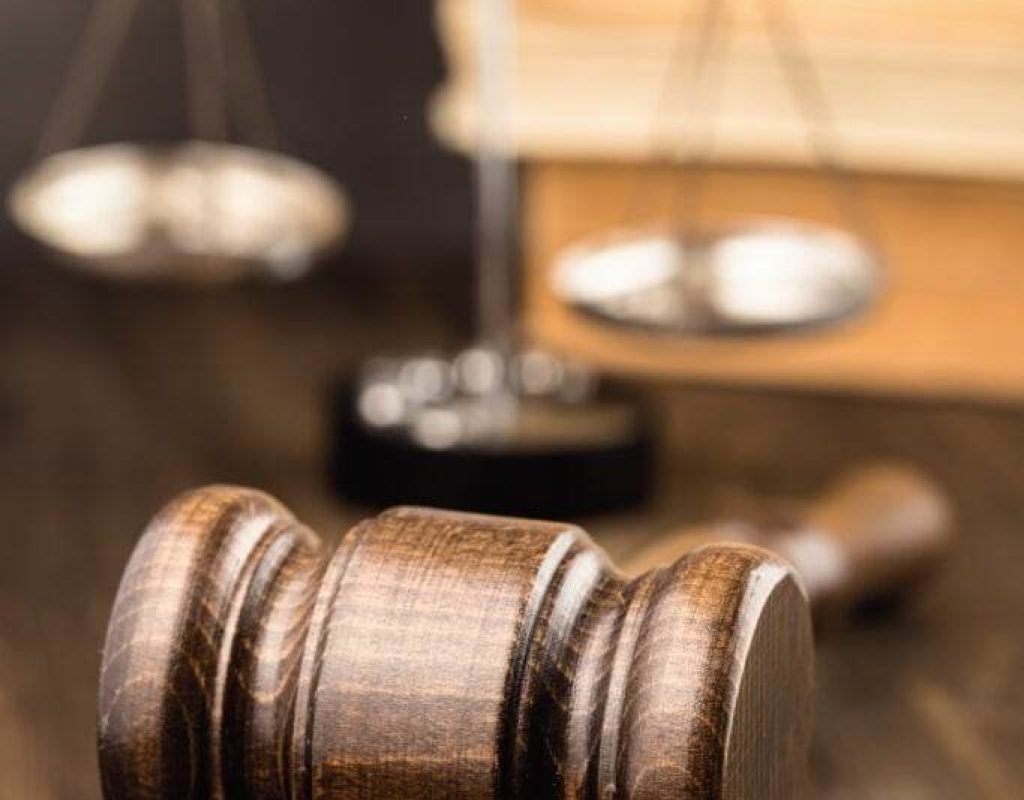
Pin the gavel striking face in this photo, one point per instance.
(439, 655)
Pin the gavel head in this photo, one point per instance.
(439, 655)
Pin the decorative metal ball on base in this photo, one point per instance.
(533, 436)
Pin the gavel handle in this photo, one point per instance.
(876, 530)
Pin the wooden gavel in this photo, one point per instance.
(877, 531)
(443, 655)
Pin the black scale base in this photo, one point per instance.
(566, 459)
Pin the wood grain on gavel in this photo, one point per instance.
(877, 531)
(439, 655)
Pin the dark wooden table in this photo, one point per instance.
(112, 400)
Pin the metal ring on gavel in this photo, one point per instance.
(443, 655)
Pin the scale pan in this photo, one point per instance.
(760, 277)
(195, 212)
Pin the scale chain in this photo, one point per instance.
(216, 38)
(800, 77)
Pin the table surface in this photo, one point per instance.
(114, 399)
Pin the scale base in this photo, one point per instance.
(558, 458)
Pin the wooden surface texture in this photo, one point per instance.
(113, 400)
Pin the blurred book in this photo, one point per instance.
(919, 86)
